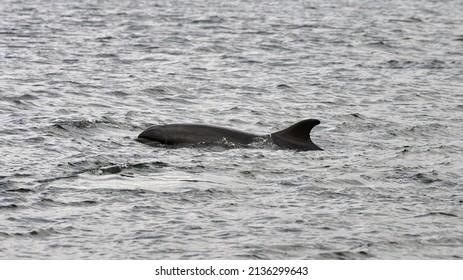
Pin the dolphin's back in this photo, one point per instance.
(296, 137)
(172, 134)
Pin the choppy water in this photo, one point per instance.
(79, 80)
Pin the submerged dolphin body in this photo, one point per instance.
(295, 137)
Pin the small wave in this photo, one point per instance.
(36, 233)
(426, 178)
(407, 20)
(48, 202)
(264, 142)
(345, 255)
(8, 206)
(83, 124)
(42, 232)
(21, 190)
(431, 214)
(5, 182)
(210, 20)
(163, 90)
(283, 86)
(118, 168)
(380, 44)
(118, 93)
(83, 203)
(406, 64)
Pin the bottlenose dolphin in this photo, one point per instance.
(295, 137)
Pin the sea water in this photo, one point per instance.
(79, 80)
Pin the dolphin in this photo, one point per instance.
(295, 137)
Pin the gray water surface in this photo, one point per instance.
(79, 80)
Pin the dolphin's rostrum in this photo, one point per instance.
(295, 137)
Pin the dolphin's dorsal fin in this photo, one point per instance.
(297, 136)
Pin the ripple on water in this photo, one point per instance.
(78, 83)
